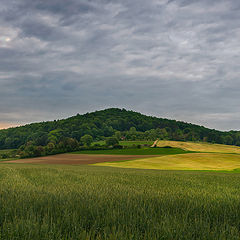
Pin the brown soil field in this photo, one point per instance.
(78, 159)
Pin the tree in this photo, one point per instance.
(87, 139)
(111, 141)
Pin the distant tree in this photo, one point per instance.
(87, 139)
(111, 141)
(118, 135)
(228, 140)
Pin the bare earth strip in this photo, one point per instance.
(79, 159)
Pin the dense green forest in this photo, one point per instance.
(68, 134)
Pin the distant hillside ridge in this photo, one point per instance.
(121, 123)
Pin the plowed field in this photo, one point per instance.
(79, 159)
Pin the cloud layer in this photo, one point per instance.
(169, 58)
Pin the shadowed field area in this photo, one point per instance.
(189, 161)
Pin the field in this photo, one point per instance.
(129, 143)
(190, 161)
(136, 151)
(78, 159)
(200, 147)
(87, 202)
(204, 156)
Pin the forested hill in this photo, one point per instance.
(122, 124)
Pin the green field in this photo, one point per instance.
(87, 202)
(135, 151)
(129, 143)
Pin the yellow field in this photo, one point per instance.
(189, 161)
(200, 147)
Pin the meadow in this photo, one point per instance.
(87, 202)
(136, 151)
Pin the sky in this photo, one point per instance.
(176, 59)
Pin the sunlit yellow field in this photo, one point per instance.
(200, 147)
(207, 156)
(190, 161)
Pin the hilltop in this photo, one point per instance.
(121, 123)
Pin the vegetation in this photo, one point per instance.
(136, 151)
(58, 136)
(189, 161)
(112, 141)
(200, 147)
(49, 202)
(8, 154)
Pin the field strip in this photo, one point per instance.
(200, 147)
(189, 161)
(79, 159)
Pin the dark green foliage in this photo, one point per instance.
(111, 141)
(87, 140)
(98, 203)
(120, 123)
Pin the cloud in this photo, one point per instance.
(169, 58)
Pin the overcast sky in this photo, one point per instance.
(177, 59)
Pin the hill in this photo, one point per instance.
(122, 124)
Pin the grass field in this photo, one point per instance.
(141, 151)
(87, 202)
(128, 143)
(200, 147)
(190, 161)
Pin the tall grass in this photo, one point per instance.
(86, 202)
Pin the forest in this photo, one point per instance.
(69, 134)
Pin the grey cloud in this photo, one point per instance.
(176, 59)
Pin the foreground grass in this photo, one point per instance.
(141, 151)
(189, 161)
(200, 146)
(43, 202)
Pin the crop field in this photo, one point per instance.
(200, 147)
(189, 161)
(86, 202)
(204, 156)
(78, 159)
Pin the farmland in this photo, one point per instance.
(121, 194)
(200, 146)
(190, 161)
(204, 156)
(87, 202)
